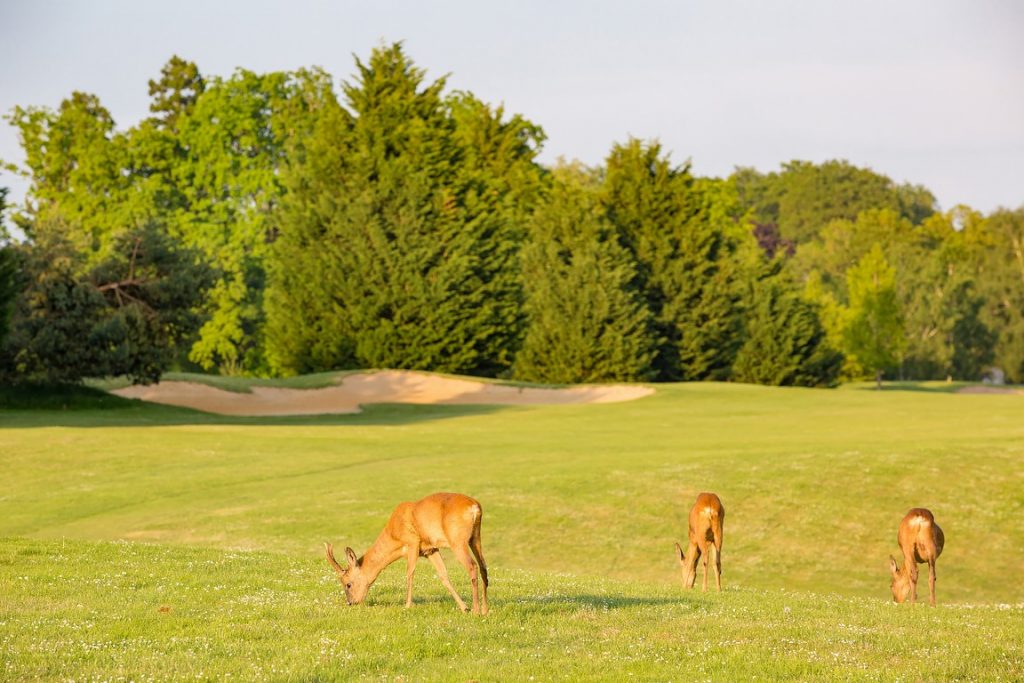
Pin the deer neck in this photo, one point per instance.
(383, 552)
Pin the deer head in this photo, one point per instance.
(352, 577)
(901, 582)
(686, 569)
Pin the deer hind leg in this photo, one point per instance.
(911, 563)
(475, 546)
(690, 573)
(931, 582)
(463, 556)
(442, 573)
(718, 563)
(410, 569)
(706, 556)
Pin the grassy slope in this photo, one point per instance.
(579, 501)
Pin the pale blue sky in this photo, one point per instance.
(928, 91)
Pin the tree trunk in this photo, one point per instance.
(878, 380)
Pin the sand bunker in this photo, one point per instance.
(391, 386)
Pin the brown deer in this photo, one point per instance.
(707, 516)
(442, 520)
(921, 541)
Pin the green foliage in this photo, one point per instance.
(585, 321)
(124, 317)
(874, 325)
(387, 230)
(177, 91)
(9, 274)
(786, 344)
(936, 285)
(230, 183)
(686, 272)
(405, 215)
(999, 245)
(804, 197)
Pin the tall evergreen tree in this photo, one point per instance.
(416, 258)
(585, 321)
(684, 261)
(786, 344)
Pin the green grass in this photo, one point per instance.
(225, 517)
(145, 612)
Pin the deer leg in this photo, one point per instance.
(442, 573)
(931, 582)
(692, 555)
(462, 555)
(410, 570)
(913, 578)
(474, 545)
(704, 585)
(718, 567)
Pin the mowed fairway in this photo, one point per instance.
(223, 571)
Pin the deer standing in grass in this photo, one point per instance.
(707, 516)
(921, 541)
(420, 529)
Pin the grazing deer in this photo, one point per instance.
(921, 541)
(442, 520)
(706, 519)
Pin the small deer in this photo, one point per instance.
(921, 541)
(707, 516)
(442, 520)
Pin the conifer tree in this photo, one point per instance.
(414, 252)
(586, 323)
(683, 260)
(786, 344)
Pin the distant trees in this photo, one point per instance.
(1000, 283)
(9, 274)
(803, 197)
(874, 326)
(280, 229)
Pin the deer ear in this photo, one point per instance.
(679, 552)
(893, 567)
(351, 555)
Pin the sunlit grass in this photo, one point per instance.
(581, 507)
(116, 611)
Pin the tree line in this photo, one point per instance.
(271, 224)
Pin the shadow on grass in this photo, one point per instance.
(601, 601)
(86, 407)
(554, 602)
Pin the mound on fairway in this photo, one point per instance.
(391, 386)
